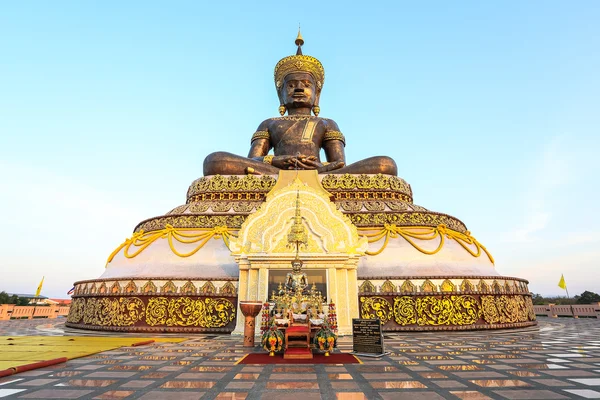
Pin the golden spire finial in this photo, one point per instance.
(299, 42)
(297, 235)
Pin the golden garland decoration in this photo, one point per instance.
(141, 240)
(424, 233)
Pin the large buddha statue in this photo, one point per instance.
(298, 137)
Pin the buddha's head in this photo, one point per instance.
(296, 265)
(299, 80)
(298, 90)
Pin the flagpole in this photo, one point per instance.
(569, 298)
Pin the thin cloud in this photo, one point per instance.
(548, 173)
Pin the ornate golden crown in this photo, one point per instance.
(299, 63)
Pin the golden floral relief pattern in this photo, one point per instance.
(76, 310)
(367, 287)
(127, 311)
(447, 286)
(376, 308)
(428, 286)
(228, 289)
(506, 309)
(388, 287)
(189, 288)
(149, 287)
(453, 310)
(131, 287)
(168, 287)
(105, 311)
(208, 288)
(408, 287)
(467, 286)
(218, 183)
(185, 311)
(369, 182)
(404, 310)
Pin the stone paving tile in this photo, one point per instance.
(55, 394)
(585, 393)
(529, 394)
(10, 392)
(171, 395)
(232, 396)
(114, 394)
(558, 359)
(470, 395)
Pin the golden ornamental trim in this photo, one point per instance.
(361, 220)
(407, 219)
(237, 203)
(291, 118)
(191, 222)
(331, 182)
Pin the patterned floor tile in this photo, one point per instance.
(558, 359)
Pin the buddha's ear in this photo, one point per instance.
(317, 97)
(316, 109)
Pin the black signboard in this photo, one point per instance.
(367, 338)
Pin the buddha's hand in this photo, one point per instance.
(305, 162)
(285, 162)
(298, 161)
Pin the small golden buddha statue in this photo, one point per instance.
(296, 281)
(298, 137)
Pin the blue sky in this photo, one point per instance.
(491, 111)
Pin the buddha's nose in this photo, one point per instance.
(298, 90)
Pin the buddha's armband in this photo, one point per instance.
(334, 135)
(260, 135)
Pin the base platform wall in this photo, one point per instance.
(174, 313)
(448, 311)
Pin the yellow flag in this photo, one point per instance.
(562, 284)
(39, 289)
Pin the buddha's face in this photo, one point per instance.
(299, 90)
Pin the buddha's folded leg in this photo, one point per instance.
(223, 163)
(372, 165)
